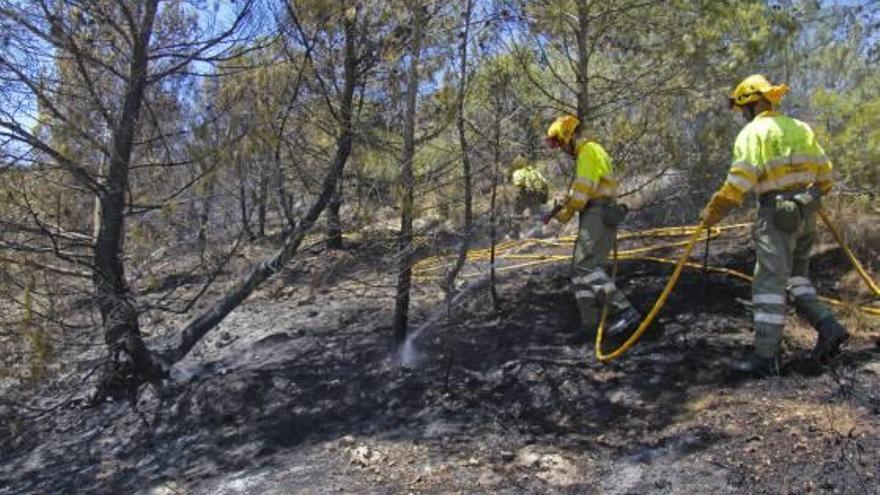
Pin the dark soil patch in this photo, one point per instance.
(310, 399)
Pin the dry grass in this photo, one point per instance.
(858, 218)
(834, 418)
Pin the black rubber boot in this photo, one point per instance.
(757, 365)
(622, 327)
(626, 321)
(832, 335)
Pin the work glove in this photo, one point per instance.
(718, 208)
(564, 215)
(546, 217)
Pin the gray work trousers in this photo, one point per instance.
(591, 285)
(783, 260)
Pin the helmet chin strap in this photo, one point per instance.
(560, 169)
(749, 111)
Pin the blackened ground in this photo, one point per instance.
(301, 393)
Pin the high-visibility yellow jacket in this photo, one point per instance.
(529, 178)
(776, 153)
(594, 178)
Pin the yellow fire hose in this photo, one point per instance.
(849, 254)
(682, 262)
(658, 304)
(424, 268)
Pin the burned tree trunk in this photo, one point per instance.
(285, 203)
(261, 200)
(405, 237)
(99, 99)
(449, 283)
(583, 61)
(204, 211)
(496, 159)
(243, 209)
(334, 225)
(119, 317)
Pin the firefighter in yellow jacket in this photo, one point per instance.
(778, 158)
(593, 195)
(531, 194)
(531, 186)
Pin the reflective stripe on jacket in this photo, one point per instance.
(776, 153)
(594, 178)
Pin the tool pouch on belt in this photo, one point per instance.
(613, 214)
(786, 214)
(808, 201)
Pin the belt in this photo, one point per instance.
(599, 201)
(768, 200)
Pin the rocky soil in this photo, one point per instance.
(299, 391)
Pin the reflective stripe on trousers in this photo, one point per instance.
(769, 318)
(782, 264)
(596, 286)
(804, 297)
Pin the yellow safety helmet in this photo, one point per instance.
(562, 129)
(753, 88)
